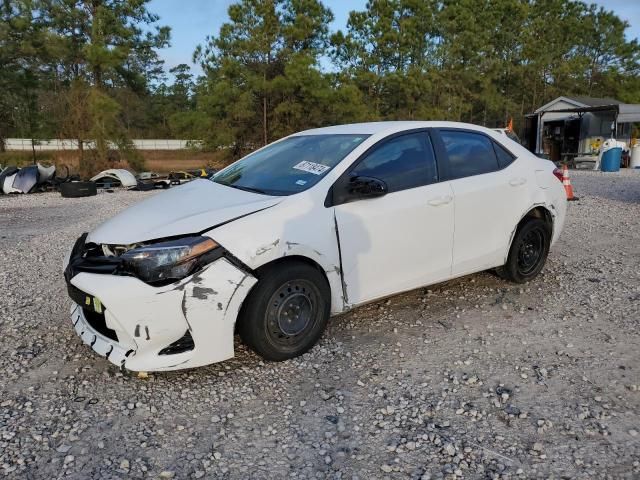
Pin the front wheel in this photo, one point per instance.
(286, 312)
(528, 252)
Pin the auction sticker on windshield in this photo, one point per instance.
(311, 167)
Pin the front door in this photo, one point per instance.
(402, 240)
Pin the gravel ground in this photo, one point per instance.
(473, 378)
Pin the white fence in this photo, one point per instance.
(42, 145)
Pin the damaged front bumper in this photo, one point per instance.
(144, 328)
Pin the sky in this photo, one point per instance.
(192, 20)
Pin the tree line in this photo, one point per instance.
(89, 69)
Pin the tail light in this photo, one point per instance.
(558, 173)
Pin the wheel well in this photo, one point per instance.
(291, 259)
(278, 262)
(536, 212)
(541, 213)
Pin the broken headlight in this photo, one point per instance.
(166, 262)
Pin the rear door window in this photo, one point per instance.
(469, 153)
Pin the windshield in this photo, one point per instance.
(290, 166)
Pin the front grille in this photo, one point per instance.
(88, 257)
(76, 294)
(183, 344)
(107, 265)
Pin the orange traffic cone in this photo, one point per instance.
(567, 183)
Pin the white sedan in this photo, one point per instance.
(308, 227)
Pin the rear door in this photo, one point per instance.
(403, 239)
(490, 194)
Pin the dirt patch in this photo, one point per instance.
(162, 161)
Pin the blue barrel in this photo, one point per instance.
(611, 160)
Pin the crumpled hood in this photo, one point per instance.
(189, 208)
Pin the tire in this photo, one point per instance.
(78, 189)
(144, 186)
(286, 312)
(528, 252)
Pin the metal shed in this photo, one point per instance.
(568, 127)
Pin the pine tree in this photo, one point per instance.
(101, 45)
(263, 71)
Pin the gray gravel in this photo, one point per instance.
(474, 378)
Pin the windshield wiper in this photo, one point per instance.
(246, 189)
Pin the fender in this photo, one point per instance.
(296, 227)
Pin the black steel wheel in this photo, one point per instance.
(286, 312)
(528, 252)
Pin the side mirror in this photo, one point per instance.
(366, 187)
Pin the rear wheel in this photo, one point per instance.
(286, 312)
(528, 252)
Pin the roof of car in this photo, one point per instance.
(371, 128)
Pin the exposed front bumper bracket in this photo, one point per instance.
(100, 344)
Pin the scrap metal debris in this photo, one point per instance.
(30, 179)
(38, 178)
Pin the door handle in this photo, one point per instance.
(516, 182)
(438, 201)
